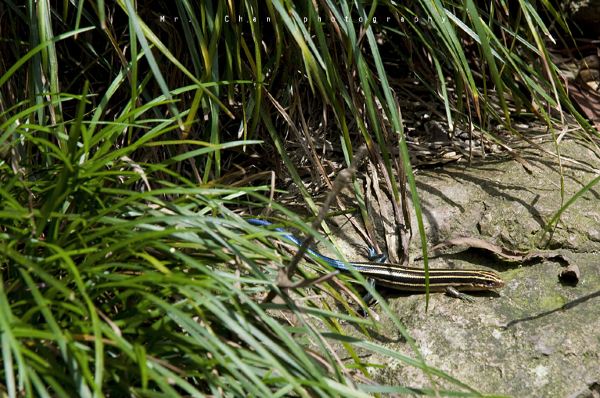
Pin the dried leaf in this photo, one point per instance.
(570, 274)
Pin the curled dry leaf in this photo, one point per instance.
(568, 275)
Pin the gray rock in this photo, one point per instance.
(535, 337)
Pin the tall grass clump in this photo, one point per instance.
(133, 138)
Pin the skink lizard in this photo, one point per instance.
(404, 278)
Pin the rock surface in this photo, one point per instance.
(535, 337)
